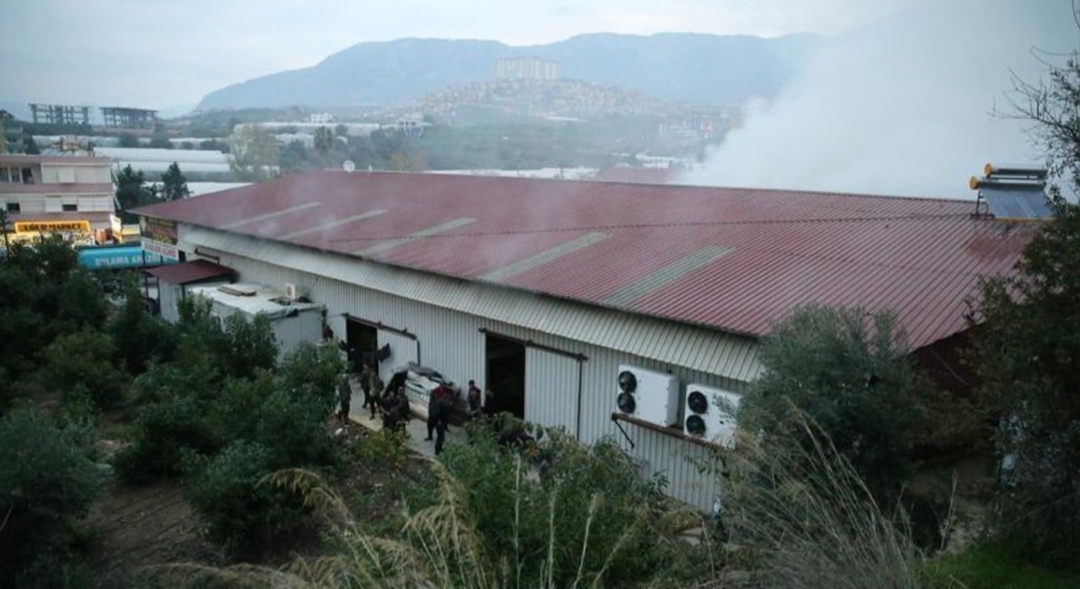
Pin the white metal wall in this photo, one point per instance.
(452, 343)
(290, 332)
(551, 389)
(402, 350)
(169, 299)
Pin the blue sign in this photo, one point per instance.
(119, 257)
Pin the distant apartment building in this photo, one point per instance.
(526, 68)
(57, 192)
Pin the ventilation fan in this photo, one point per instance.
(648, 395)
(710, 414)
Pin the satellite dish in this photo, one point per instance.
(349, 166)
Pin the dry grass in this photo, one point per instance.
(810, 520)
(438, 548)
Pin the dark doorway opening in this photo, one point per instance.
(361, 340)
(505, 375)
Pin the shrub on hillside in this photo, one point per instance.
(240, 511)
(850, 372)
(590, 514)
(47, 480)
(84, 360)
(140, 337)
(163, 433)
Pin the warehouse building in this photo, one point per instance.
(623, 310)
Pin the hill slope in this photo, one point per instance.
(676, 67)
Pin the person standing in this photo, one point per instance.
(473, 401)
(344, 391)
(439, 415)
(432, 411)
(375, 393)
(365, 383)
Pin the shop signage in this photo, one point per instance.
(159, 237)
(52, 226)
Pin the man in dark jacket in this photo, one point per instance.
(473, 401)
(439, 407)
(365, 383)
(344, 391)
(375, 393)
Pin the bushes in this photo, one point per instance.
(589, 515)
(47, 479)
(83, 360)
(1027, 354)
(490, 521)
(850, 372)
(163, 433)
(226, 432)
(241, 512)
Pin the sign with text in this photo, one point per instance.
(159, 230)
(96, 258)
(52, 226)
(165, 250)
(159, 237)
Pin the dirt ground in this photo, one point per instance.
(145, 526)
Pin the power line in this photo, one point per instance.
(633, 226)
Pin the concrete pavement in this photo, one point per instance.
(416, 428)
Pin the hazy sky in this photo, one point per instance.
(166, 53)
(910, 105)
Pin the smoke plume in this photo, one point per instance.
(904, 106)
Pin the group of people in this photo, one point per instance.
(393, 404)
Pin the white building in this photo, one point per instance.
(157, 160)
(546, 292)
(526, 68)
(57, 191)
(292, 322)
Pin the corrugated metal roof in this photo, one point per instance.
(707, 350)
(189, 272)
(782, 249)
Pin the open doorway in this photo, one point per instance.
(505, 361)
(361, 340)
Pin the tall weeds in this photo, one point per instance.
(438, 548)
(811, 522)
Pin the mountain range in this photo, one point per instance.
(714, 70)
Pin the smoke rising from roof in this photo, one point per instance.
(904, 106)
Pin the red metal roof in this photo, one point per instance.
(190, 272)
(734, 259)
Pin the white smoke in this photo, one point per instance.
(903, 107)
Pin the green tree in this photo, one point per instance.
(255, 152)
(43, 294)
(294, 156)
(131, 193)
(1027, 348)
(174, 184)
(241, 511)
(160, 140)
(140, 337)
(324, 140)
(82, 362)
(47, 480)
(128, 140)
(850, 372)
